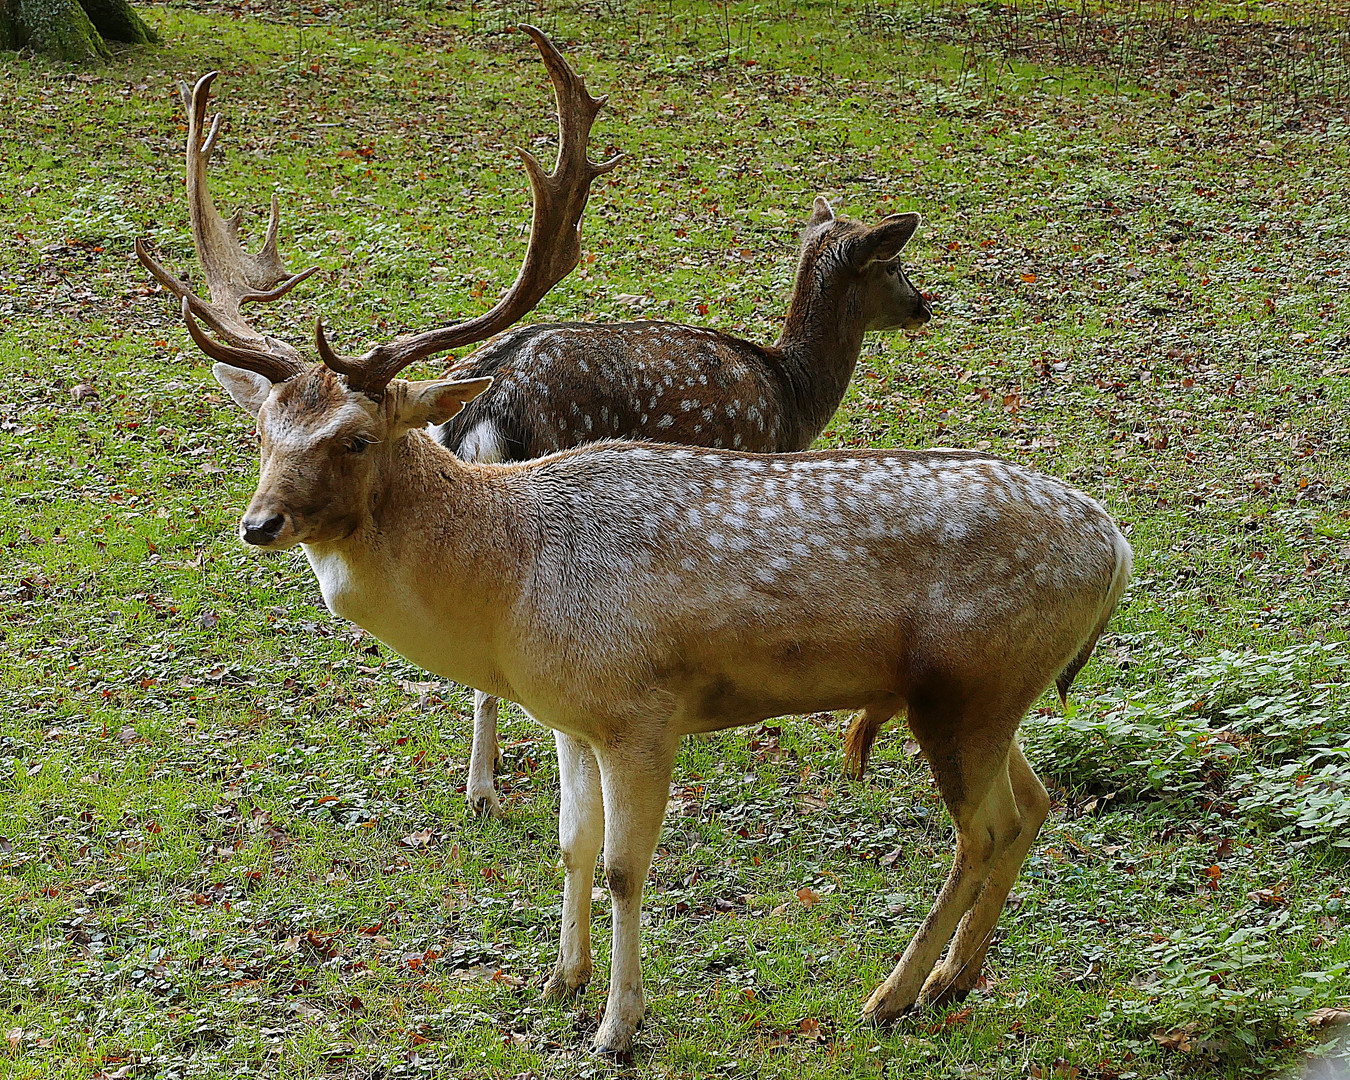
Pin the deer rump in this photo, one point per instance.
(709, 589)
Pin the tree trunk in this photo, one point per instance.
(71, 29)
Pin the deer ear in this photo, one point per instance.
(885, 240)
(821, 212)
(248, 388)
(437, 400)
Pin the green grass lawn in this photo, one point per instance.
(232, 832)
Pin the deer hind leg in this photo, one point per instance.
(958, 973)
(976, 787)
(581, 830)
(481, 790)
(636, 786)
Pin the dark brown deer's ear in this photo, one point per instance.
(821, 212)
(884, 241)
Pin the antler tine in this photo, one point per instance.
(233, 276)
(555, 230)
(334, 361)
(273, 366)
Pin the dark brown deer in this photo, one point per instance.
(560, 385)
(627, 594)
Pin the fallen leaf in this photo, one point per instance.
(808, 896)
(1176, 1039)
(1320, 1018)
(961, 1016)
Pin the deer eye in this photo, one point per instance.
(356, 445)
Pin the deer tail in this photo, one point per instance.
(862, 732)
(1120, 577)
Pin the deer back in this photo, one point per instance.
(561, 385)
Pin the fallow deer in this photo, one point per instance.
(626, 594)
(560, 385)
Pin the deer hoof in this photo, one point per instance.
(617, 1058)
(943, 989)
(484, 804)
(885, 1006)
(558, 989)
(623, 1014)
(615, 1050)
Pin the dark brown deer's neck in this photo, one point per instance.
(821, 339)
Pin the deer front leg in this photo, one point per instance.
(581, 829)
(636, 787)
(481, 790)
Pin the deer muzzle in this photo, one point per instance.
(262, 530)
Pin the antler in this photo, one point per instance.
(233, 276)
(555, 237)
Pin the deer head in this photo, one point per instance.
(327, 451)
(327, 421)
(866, 260)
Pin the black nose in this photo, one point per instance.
(263, 532)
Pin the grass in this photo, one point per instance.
(232, 832)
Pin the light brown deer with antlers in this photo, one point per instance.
(627, 594)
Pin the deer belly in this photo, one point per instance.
(794, 677)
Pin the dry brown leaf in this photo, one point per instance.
(1320, 1018)
(1176, 1039)
(808, 896)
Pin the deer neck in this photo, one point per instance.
(432, 569)
(821, 340)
